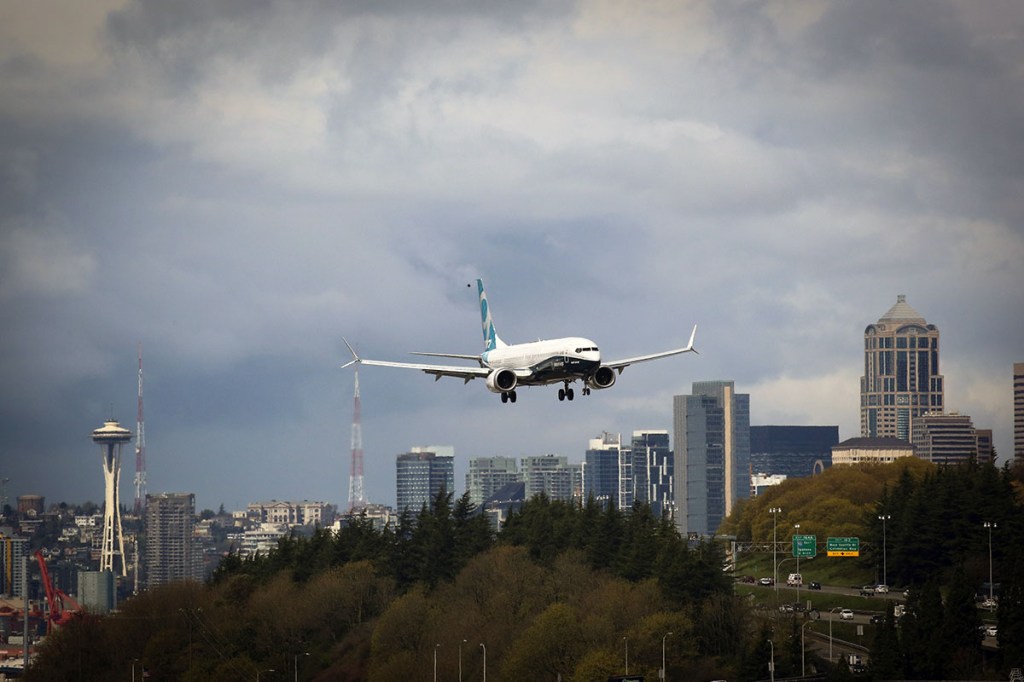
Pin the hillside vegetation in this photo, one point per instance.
(566, 590)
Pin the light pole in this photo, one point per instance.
(803, 670)
(775, 545)
(990, 525)
(460, 659)
(134, 661)
(664, 672)
(830, 611)
(485, 660)
(295, 664)
(627, 654)
(435, 661)
(885, 573)
(796, 526)
(771, 663)
(260, 672)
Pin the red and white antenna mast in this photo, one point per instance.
(140, 449)
(356, 495)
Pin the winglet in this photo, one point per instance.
(689, 346)
(355, 358)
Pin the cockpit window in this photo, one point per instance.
(584, 350)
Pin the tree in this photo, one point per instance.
(886, 661)
(961, 634)
(551, 646)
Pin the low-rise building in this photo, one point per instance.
(870, 451)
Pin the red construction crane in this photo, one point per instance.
(62, 607)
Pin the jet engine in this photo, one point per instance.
(501, 381)
(603, 377)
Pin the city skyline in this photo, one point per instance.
(238, 188)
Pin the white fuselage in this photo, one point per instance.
(546, 361)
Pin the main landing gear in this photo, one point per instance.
(568, 394)
(508, 396)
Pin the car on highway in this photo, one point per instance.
(795, 580)
(767, 581)
(815, 585)
(877, 619)
(990, 604)
(882, 589)
(846, 614)
(991, 631)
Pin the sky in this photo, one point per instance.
(238, 185)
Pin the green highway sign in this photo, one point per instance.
(843, 547)
(805, 546)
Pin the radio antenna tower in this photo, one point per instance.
(140, 449)
(356, 496)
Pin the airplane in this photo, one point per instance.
(504, 367)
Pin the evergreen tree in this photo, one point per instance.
(886, 663)
(960, 633)
(924, 655)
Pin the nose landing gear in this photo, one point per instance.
(508, 396)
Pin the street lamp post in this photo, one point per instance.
(885, 572)
(435, 661)
(295, 664)
(775, 545)
(803, 668)
(485, 660)
(627, 654)
(771, 663)
(460, 659)
(830, 611)
(796, 526)
(664, 672)
(990, 525)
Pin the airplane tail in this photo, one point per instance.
(491, 339)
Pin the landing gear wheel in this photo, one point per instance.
(512, 396)
(504, 397)
(561, 394)
(569, 395)
(585, 391)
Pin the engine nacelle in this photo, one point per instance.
(603, 377)
(501, 381)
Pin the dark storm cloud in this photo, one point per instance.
(237, 185)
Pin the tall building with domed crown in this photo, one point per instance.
(901, 373)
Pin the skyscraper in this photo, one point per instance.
(654, 470)
(601, 469)
(712, 445)
(901, 373)
(170, 539)
(420, 476)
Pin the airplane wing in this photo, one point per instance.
(622, 364)
(465, 373)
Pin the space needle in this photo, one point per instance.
(110, 437)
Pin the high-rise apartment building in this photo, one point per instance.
(1018, 411)
(712, 446)
(420, 477)
(901, 373)
(170, 539)
(791, 451)
(654, 471)
(487, 475)
(13, 553)
(548, 474)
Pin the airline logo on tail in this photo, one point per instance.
(491, 340)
